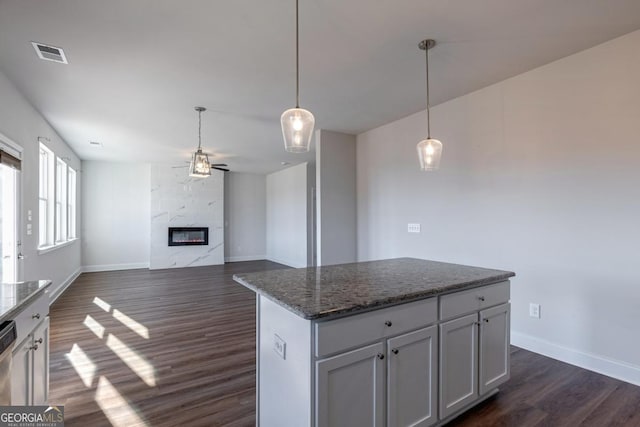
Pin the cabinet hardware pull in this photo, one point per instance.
(39, 341)
(486, 320)
(388, 323)
(36, 316)
(476, 323)
(481, 298)
(380, 356)
(394, 351)
(33, 347)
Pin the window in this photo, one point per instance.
(61, 200)
(57, 200)
(45, 203)
(71, 203)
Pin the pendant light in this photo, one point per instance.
(429, 150)
(297, 123)
(200, 166)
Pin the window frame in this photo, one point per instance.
(72, 194)
(62, 169)
(45, 192)
(57, 201)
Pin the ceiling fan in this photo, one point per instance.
(217, 166)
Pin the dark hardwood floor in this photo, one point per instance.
(177, 348)
(156, 348)
(544, 392)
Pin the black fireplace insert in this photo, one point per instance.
(188, 236)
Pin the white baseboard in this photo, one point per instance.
(114, 267)
(287, 263)
(54, 294)
(245, 258)
(603, 365)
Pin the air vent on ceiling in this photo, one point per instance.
(50, 53)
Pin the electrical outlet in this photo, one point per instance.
(534, 310)
(413, 228)
(280, 346)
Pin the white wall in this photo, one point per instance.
(287, 216)
(115, 201)
(245, 204)
(178, 200)
(540, 175)
(335, 197)
(20, 122)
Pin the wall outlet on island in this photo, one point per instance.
(280, 346)
(413, 228)
(534, 310)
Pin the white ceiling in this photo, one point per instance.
(138, 67)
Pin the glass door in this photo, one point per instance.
(9, 245)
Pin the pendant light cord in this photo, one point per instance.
(199, 130)
(428, 113)
(297, 61)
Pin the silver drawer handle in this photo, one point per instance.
(395, 351)
(34, 347)
(380, 356)
(36, 316)
(39, 341)
(388, 323)
(486, 320)
(481, 298)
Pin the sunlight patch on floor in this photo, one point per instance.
(135, 362)
(85, 368)
(103, 305)
(131, 324)
(117, 409)
(94, 326)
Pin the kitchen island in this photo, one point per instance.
(400, 342)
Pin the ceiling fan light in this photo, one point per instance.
(297, 128)
(200, 167)
(429, 153)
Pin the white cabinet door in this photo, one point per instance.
(458, 364)
(412, 379)
(494, 347)
(349, 388)
(21, 373)
(41, 363)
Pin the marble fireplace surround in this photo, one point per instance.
(178, 200)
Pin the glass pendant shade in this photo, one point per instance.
(200, 166)
(429, 152)
(297, 128)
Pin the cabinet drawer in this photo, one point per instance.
(461, 303)
(25, 320)
(349, 332)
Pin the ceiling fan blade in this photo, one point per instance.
(220, 169)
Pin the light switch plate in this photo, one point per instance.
(413, 228)
(280, 346)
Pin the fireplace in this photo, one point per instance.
(188, 236)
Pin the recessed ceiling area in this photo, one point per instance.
(137, 68)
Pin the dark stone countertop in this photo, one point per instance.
(345, 289)
(16, 296)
